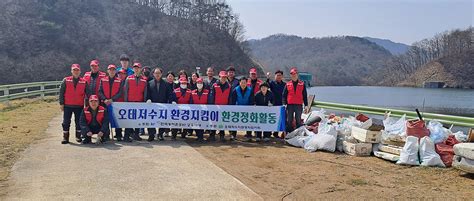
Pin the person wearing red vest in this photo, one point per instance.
(199, 96)
(72, 93)
(219, 95)
(294, 96)
(254, 82)
(93, 78)
(135, 90)
(110, 90)
(183, 96)
(94, 121)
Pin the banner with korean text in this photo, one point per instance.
(207, 117)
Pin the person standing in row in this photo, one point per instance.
(183, 96)
(254, 82)
(234, 82)
(158, 91)
(276, 87)
(135, 90)
(242, 95)
(294, 97)
(199, 96)
(219, 95)
(93, 78)
(110, 91)
(94, 121)
(124, 62)
(72, 93)
(193, 81)
(264, 98)
(210, 80)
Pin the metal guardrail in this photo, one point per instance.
(24, 90)
(447, 119)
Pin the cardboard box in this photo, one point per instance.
(470, 135)
(386, 156)
(390, 149)
(357, 149)
(366, 135)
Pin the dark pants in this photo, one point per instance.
(213, 132)
(248, 134)
(293, 112)
(265, 134)
(199, 133)
(118, 133)
(68, 111)
(152, 132)
(94, 130)
(184, 132)
(134, 132)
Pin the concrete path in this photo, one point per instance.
(159, 171)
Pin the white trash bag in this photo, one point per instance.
(364, 125)
(299, 137)
(394, 130)
(428, 155)
(409, 153)
(460, 136)
(314, 116)
(324, 140)
(437, 132)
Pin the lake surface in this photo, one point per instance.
(443, 101)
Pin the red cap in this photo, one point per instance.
(111, 66)
(293, 70)
(199, 80)
(183, 80)
(139, 65)
(94, 62)
(253, 70)
(75, 66)
(223, 74)
(93, 97)
(123, 71)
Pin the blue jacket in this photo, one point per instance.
(242, 98)
(129, 71)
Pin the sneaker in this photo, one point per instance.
(150, 139)
(119, 139)
(222, 138)
(233, 138)
(266, 139)
(127, 139)
(257, 139)
(211, 138)
(137, 138)
(167, 134)
(160, 138)
(86, 141)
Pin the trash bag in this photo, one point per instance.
(446, 150)
(395, 126)
(314, 116)
(343, 133)
(428, 155)
(362, 118)
(364, 125)
(460, 136)
(437, 132)
(324, 140)
(299, 141)
(409, 153)
(417, 128)
(298, 137)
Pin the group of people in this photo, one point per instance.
(87, 97)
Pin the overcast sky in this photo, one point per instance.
(405, 21)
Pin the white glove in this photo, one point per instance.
(174, 103)
(148, 101)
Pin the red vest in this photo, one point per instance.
(99, 116)
(256, 89)
(183, 99)
(200, 99)
(75, 95)
(221, 97)
(106, 87)
(136, 91)
(295, 97)
(87, 77)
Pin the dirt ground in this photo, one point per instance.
(277, 171)
(21, 123)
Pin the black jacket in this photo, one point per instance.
(263, 100)
(85, 127)
(164, 94)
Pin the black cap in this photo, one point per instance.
(124, 57)
(265, 84)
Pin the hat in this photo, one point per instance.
(183, 80)
(111, 66)
(94, 62)
(123, 71)
(264, 84)
(93, 97)
(139, 65)
(75, 66)
(293, 70)
(230, 68)
(253, 70)
(199, 80)
(223, 74)
(124, 57)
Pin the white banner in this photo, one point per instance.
(207, 117)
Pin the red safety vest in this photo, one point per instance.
(183, 99)
(75, 95)
(221, 97)
(87, 77)
(200, 99)
(256, 89)
(99, 117)
(106, 87)
(295, 97)
(136, 91)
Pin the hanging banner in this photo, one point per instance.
(207, 117)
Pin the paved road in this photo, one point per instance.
(161, 170)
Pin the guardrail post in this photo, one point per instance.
(42, 90)
(6, 92)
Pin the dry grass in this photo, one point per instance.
(21, 123)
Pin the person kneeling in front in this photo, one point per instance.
(94, 121)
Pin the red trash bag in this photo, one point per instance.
(417, 128)
(362, 118)
(446, 150)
